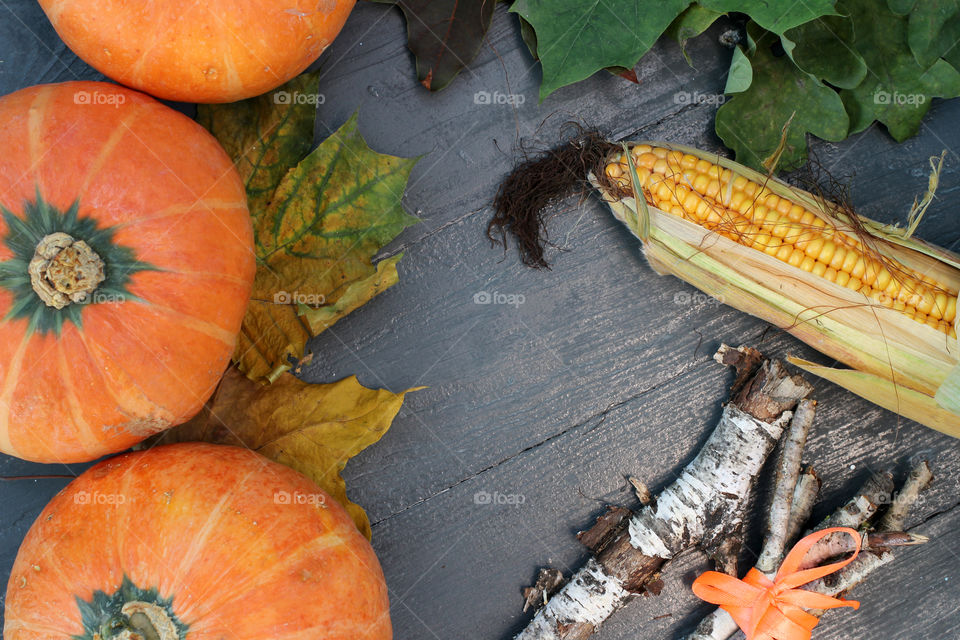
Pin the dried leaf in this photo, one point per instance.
(319, 219)
(313, 428)
(444, 35)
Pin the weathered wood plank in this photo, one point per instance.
(474, 558)
(599, 373)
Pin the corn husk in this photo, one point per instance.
(895, 362)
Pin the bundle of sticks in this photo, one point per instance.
(705, 508)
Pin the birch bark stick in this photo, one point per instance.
(718, 625)
(866, 563)
(695, 509)
(785, 483)
(804, 499)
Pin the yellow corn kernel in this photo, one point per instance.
(647, 160)
(761, 241)
(713, 188)
(814, 248)
(939, 305)
(773, 245)
(751, 214)
(926, 301)
(883, 279)
(858, 267)
(849, 261)
(950, 311)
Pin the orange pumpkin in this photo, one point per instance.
(126, 262)
(207, 51)
(195, 542)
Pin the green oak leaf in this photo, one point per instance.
(901, 7)
(740, 75)
(692, 22)
(775, 16)
(751, 122)
(577, 38)
(689, 24)
(319, 218)
(897, 90)
(820, 47)
(933, 31)
(529, 36)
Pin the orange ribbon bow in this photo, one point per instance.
(774, 609)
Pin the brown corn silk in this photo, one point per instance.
(864, 293)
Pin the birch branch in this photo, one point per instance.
(866, 563)
(718, 625)
(876, 547)
(785, 483)
(804, 499)
(696, 509)
(919, 479)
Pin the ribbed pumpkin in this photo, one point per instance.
(195, 542)
(126, 262)
(207, 51)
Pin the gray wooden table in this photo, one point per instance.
(604, 370)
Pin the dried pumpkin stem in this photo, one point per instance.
(65, 270)
(144, 621)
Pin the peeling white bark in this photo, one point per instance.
(591, 596)
(788, 470)
(695, 509)
(804, 499)
(718, 478)
(718, 625)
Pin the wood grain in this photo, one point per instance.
(603, 371)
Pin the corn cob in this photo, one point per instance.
(861, 292)
(749, 213)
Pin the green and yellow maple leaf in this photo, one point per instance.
(319, 219)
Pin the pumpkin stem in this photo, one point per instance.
(142, 621)
(65, 270)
